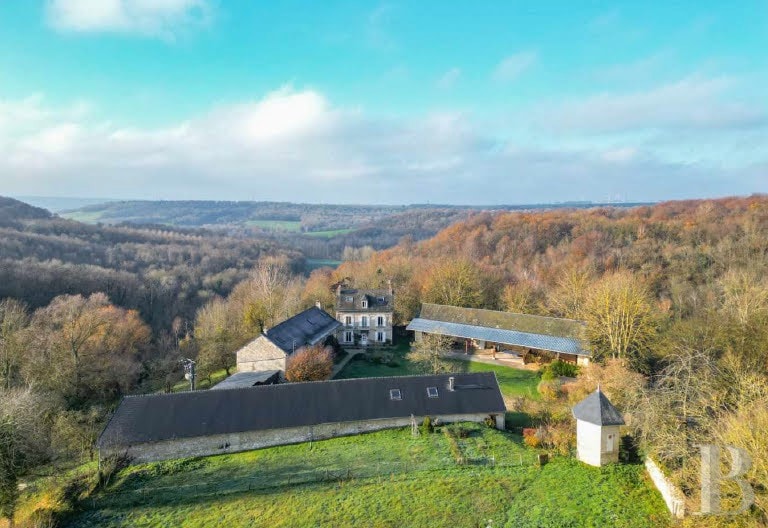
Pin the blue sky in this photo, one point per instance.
(371, 102)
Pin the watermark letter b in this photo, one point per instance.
(711, 478)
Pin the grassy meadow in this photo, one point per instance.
(382, 479)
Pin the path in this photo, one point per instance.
(343, 363)
(502, 358)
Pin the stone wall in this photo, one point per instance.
(673, 497)
(232, 443)
(259, 355)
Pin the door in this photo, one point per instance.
(364, 340)
(609, 444)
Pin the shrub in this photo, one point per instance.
(561, 438)
(426, 425)
(550, 390)
(314, 363)
(531, 437)
(559, 368)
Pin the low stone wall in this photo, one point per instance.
(672, 495)
(232, 443)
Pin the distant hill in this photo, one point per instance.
(57, 204)
(11, 211)
(320, 231)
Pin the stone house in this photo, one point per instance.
(365, 315)
(597, 429)
(270, 351)
(200, 423)
(519, 333)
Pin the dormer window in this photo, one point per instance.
(395, 395)
(381, 299)
(432, 392)
(349, 299)
(365, 303)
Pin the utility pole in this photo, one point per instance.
(189, 372)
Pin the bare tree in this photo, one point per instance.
(429, 353)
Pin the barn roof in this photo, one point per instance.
(532, 331)
(239, 380)
(306, 328)
(597, 409)
(159, 417)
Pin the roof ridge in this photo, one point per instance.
(508, 313)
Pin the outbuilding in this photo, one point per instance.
(201, 423)
(597, 429)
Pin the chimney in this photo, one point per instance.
(451, 381)
(319, 304)
(338, 290)
(389, 284)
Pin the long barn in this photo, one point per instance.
(562, 338)
(201, 423)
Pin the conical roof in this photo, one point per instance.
(597, 409)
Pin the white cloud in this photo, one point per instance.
(297, 145)
(449, 78)
(693, 103)
(515, 65)
(154, 18)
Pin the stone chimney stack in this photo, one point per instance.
(319, 304)
(338, 290)
(389, 285)
(451, 383)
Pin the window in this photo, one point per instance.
(380, 337)
(394, 394)
(347, 336)
(365, 303)
(364, 321)
(348, 320)
(380, 320)
(381, 299)
(349, 299)
(432, 392)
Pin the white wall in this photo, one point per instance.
(672, 496)
(592, 443)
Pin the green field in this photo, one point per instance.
(87, 217)
(387, 478)
(275, 225)
(313, 264)
(513, 382)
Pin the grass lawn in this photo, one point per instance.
(386, 479)
(87, 217)
(202, 383)
(512, 381)
(313, 264)
(275, 225)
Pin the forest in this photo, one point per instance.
(674, 296)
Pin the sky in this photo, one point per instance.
(435, 101)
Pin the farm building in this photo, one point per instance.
(201, 423)
(521, 333)
(240, 380)
(597, 429)
(271, 349)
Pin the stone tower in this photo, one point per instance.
(597, 429)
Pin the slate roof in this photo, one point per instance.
(597, 409)
(378, 300)
(238, 380)
(306, 328)
(531, 331)
(158, 417)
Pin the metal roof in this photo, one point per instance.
(565, 345)
(597, 409)
(306, 328)
(159, 417)
(239, 380)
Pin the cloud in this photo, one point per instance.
(295, 144)
(449, 78)
(151, 18)
(690, 103)
(513, 66)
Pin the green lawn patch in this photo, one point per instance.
(512, 381)
(387, 478)
(87, 217)
(202, 383)
(329, 233)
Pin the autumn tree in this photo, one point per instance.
(13, 320)
(620, 317)
(428, 353)
(455, 283)
(310, 363)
